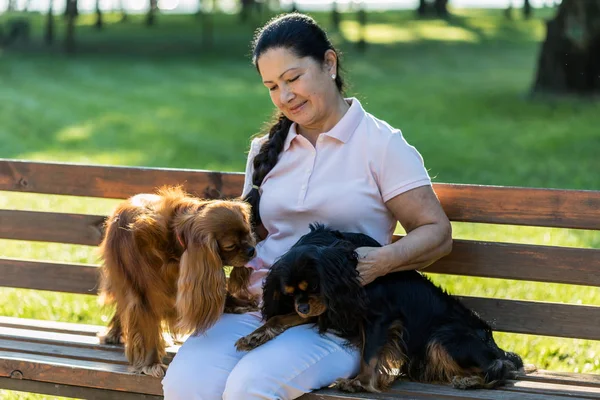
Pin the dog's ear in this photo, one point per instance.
(201, 287)
(341, 288)
(275, 302)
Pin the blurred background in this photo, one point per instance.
(494, 92)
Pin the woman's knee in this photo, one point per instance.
(202, 365)
(187, 382)
(247, 382)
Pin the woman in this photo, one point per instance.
(324, 159)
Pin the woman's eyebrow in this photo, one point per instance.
(284, 72)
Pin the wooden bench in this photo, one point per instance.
(65, 359)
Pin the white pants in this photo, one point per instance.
(208, 367)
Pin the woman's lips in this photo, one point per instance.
(297, 108)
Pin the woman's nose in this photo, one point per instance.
(286, 96)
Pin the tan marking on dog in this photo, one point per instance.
(289, 289)
(303, 285)
(440, 366)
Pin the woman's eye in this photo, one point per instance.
(272, 89)
(294, 79)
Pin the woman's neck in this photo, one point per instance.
(336, 113)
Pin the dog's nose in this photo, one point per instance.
(251, 251)
(303, 308)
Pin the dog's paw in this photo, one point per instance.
(155, 370)
(110, 337)
(467, 382)
(354, 385)
(528, 368)
(253, 340)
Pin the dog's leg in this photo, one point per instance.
(144, 344)
(382, 358)
(462, 358)
(114, 333)
(272, 328)
(233, 305)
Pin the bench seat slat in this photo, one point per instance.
(467, 203)
(413, 390)
(113, 182)
(521, 262)
(569, 378)
(80, 353)
(585, 392)
(50, 326)
(469, 258)
(56, 277)
(64, 339)
(77, 392)
(115, 377)
(77, 372)
(557, 208)
(538, 318)
(60, 351)
(51, 227)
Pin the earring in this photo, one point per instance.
(332, 76)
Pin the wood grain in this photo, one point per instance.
(466, 203)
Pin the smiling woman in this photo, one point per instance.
(323, 159)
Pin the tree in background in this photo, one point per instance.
(527, 9)
(433, 7)
(49, 28)
(569, 61)
(99, 22)
(151, 16)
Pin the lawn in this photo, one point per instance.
(156, 97)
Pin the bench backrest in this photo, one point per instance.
(463, 203)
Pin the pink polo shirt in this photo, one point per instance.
(343, 181)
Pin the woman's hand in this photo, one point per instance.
(371, 264)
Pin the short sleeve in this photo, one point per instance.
(254, 150)
(402, 168)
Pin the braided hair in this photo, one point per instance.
(300, 34)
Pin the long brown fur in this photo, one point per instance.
(163, 257)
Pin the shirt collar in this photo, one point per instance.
(342, 131)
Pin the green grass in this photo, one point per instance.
(156, 97)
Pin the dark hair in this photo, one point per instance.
(300, 34)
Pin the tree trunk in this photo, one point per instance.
(207, 23)
(527, 9)
(71, 13)
(151, 16)
(99, 23)
(362, 21)
(49, 31)
(569, 61)
(437, 7)
(335, 16)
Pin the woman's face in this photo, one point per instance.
(301, 88)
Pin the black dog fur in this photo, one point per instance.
(402, 322)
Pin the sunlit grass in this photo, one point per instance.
(457, 90)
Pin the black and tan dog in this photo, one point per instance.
(402, 322)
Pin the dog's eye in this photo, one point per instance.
(230, 247)
(314, 286)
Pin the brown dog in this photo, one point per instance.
(163, 259)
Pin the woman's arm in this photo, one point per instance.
(428, 238)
